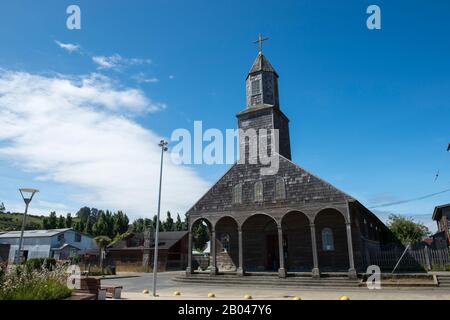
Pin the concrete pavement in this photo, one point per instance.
(134, 286)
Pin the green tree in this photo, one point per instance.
(147, 223)
(100, 227)
(45, 223)
(94, 215)
(82, 227)
(52, 222)
(102, 242)
(179, 223)
(83, 214)
(109, 218)
(77, 226)
(406, 229)
(161, 224)
(87, 227)
(121, 222)
(137, 225)
(2, 208)
(169, 224)
(69, 221)
(200, 236)
(61, 222)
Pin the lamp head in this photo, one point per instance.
(28, 194)
(163, 145)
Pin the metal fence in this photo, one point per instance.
(412, 260)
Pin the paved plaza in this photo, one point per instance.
(134, 284)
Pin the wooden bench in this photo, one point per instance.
(112, 291)
(82, 295)
(92, 285)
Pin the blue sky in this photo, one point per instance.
(369, 109)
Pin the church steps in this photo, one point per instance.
(269, 281)
(444, 281)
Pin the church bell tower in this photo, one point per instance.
(262, 84)
(263, 105)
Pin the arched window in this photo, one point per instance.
(327, 240)
(259, 196)
(280, 188)
(225, 241)
(237, 193)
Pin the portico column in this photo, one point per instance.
(240, 269)
(281, 270)
(213, 267)
(351, 270)
(315, 270)
(189, 266)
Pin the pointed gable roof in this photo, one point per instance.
(302, 188)
(261, 64)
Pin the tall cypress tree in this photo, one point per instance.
(179, 223)
(168, 224)
(69, 221)
(61, 222)
(52, 220)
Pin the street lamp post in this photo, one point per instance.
(27, 195)
(163, 144)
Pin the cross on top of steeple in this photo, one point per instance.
(260, 42)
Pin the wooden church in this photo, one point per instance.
(288, 222)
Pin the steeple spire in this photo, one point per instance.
(261, 64)
(262, 81)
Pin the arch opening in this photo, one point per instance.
(201, 235)
(227, 244)
(331, 235)
(260, 244)
(298, 247)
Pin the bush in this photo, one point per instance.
(97, 271)
(24, 283)
(38, 263)
(47, 290)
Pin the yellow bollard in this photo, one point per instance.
(345, 298)
(296, 298)
(177, 293)
(211, 295)
(145, 291)
(248, 297)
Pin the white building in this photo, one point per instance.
(57, 243)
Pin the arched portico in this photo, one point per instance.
(334, 242)
(227, 244)
(262, 237)
(298, 251)
(191, 239)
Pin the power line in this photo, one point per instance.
(409, 200)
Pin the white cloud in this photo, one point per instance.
(142, 78)
(72, 130)
(68, 46)
(117, 62)
(104, 62)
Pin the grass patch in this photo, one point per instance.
(22, 282)
(42, 290)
